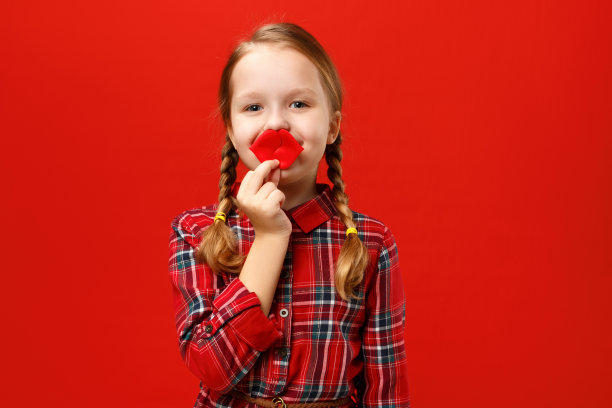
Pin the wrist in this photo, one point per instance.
(278, 238)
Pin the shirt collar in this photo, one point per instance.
(313, 212)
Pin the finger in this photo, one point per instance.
(278, 197)
(275, 176)
(265, 190)
(244, 185)
(260, 173)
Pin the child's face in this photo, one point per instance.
(279, 88)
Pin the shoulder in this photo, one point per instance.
(373, 232)
(380, 241)
(190, 223)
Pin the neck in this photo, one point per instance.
(298, 192)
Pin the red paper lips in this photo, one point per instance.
(280, 145)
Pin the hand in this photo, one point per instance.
(262, 202)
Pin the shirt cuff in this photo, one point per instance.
(234, 299)
(256, 329)
(239, 308)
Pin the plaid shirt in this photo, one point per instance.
(313, 345)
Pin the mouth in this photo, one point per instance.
(280, 145)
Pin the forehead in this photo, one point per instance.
(268, 68)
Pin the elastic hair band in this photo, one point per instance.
(351, 231)
(220, 215)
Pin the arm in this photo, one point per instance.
(385, 363)
(267, 254)
(221, 332)
(261, 201)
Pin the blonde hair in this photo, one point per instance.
(219, 247)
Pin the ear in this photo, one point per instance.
(334, 127)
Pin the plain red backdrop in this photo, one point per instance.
(478, 131)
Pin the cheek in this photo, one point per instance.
(242, 137)
(316, 127)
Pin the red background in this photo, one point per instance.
(478, 131)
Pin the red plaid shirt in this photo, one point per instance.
(313, 345)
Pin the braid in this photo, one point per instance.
(229, 161)
(353, 257)
(333, 156)
(219, 248)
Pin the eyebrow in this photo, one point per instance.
(295, 91)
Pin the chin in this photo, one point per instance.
(286, 178)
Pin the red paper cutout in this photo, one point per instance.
(280, 145)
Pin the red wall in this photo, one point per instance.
(480, 133)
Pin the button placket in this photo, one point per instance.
(284, 299)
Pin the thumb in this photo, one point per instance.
(275, 176)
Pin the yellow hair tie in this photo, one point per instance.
(351, 231)
(220, 215)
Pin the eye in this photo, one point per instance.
(299, 104)
(253, 108)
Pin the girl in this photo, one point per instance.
(283, 295)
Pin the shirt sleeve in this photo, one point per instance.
(385, 364)
(221, 327)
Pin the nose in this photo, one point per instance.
(277, 119)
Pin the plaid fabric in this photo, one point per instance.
(313, 345)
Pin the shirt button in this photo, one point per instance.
(282, 352)
(285, 274)
(284, 313)
(208, 328)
